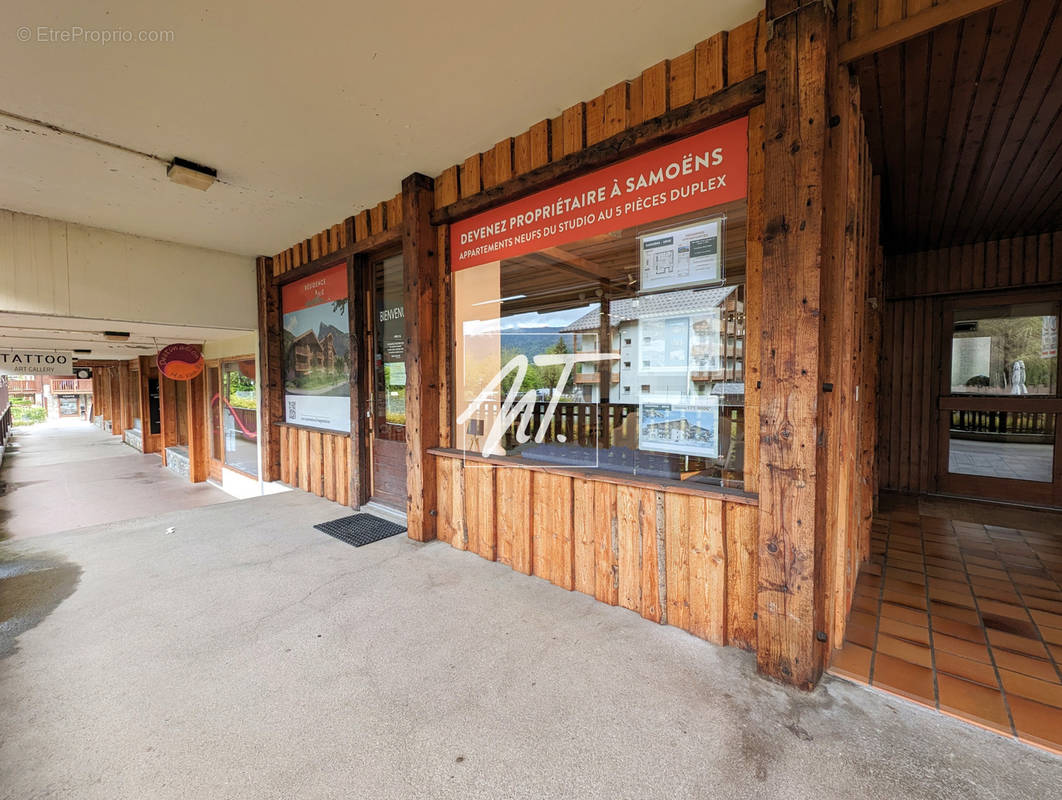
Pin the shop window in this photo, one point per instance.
(238, 409)
(1004, 373)
(545, 343)
(133, 398)
(1005, 350)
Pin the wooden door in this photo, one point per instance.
(387, 405)
(999, 401)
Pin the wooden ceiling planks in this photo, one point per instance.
(965, 125)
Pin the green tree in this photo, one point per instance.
(551, 374)
(532, 379)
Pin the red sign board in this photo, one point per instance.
(180, 362)
(703, 170)
(326, 286)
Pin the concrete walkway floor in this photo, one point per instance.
(69, 474)
(247, 655)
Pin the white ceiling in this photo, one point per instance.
(37, 332)
(309, 112)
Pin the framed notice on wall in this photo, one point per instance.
(686, 256)
(316, 349)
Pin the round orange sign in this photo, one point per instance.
(180, 362)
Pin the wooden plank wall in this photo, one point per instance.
(382, 217)
(911, 362)
(1000, 264)
(726, 58)
(712, 65)
(675, 558)
(848, 353)
(720, 61)
(857, 19)
(316, 462)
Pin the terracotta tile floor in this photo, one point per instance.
(963, 617)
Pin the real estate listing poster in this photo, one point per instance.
(680, 424)
(317, 351)
(682, 256)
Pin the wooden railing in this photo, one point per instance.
(60, 385)
(585, 424)
(1018, 423)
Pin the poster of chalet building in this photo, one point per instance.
(317, 351)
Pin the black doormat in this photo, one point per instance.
(359, 529)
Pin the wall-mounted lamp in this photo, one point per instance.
(188, 173)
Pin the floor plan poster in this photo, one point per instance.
(682, 425)
(682, 256)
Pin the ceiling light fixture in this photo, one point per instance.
(119, 336)
(188, 173)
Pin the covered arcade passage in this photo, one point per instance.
(741, 335)
(75, 292)
(960, 607)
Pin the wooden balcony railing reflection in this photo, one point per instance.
(1035, 424)
(601, 425)
(60, 385)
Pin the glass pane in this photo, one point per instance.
(1005, 350)
(390, 346)
(239, 415)
(601, 354)
(214, 390)
(181, 395)
(1002, 444)
(133, 397)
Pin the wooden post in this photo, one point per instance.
(360, 375)
(125, 414)
(149, 439)
(422, 355)
(96, 393)
(198, 429)
(270, 379)
(115, 400)
(789, 599)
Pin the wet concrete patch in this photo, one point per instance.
(32, 586)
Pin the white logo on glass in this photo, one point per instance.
(522, 408)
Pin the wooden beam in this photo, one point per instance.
(421, 288)
(730, 103)
(270, 378)
(909, 27)
(788, 607)
(581, 264)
